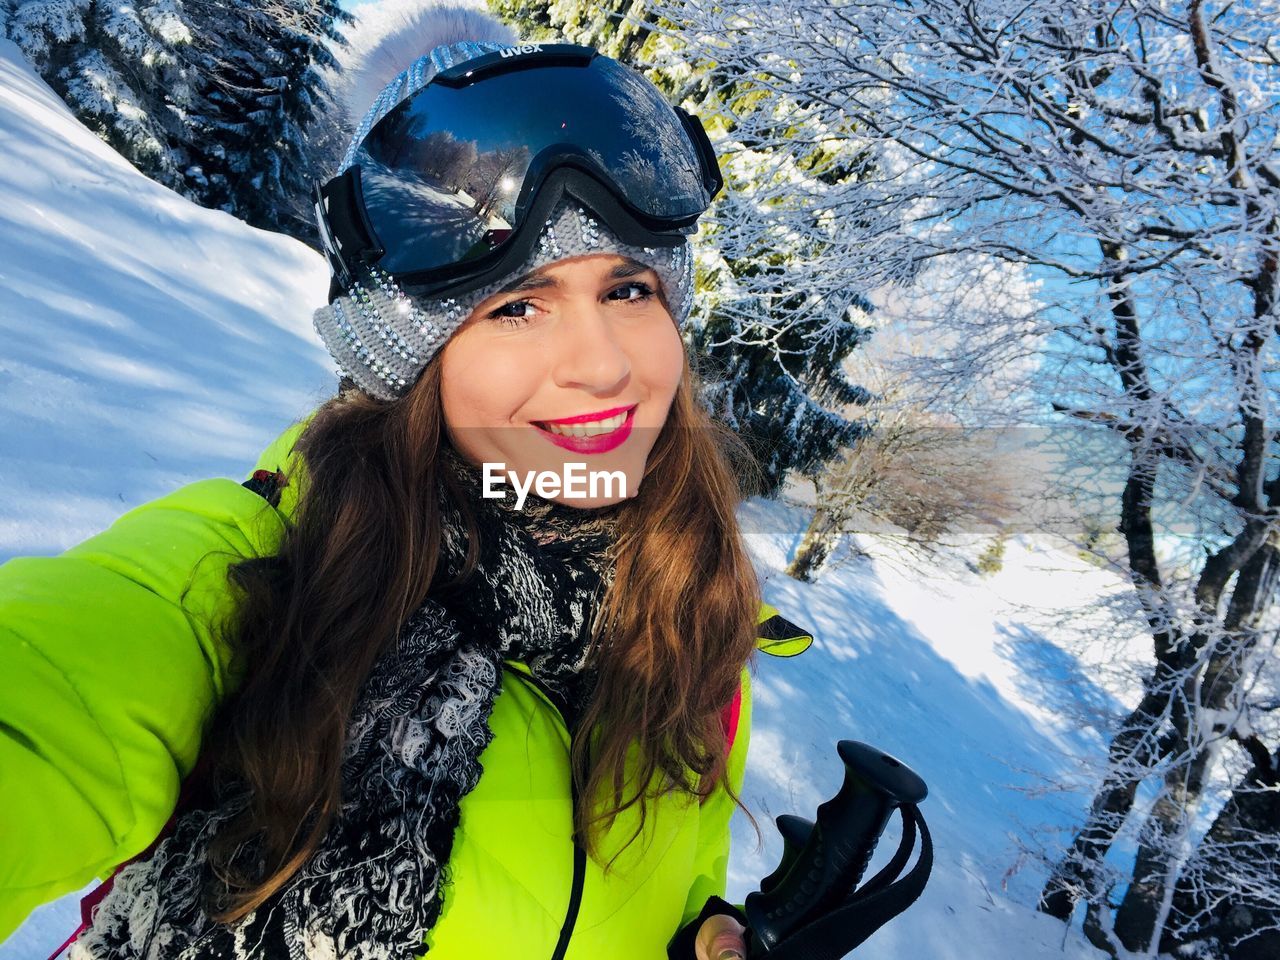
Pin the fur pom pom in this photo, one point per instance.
(392, 34)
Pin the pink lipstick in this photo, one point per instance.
(601, 442)
(588, 417)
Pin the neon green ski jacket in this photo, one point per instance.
(110, 666)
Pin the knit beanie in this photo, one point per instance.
(382, 338)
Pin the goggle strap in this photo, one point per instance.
(710, 166)
(345, 230)
(516, 57)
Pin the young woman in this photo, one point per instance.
(434, 713)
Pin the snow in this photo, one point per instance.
(956, 675)
(148, 343)
(139, 330)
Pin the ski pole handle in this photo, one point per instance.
(836, 848)
(795, 836)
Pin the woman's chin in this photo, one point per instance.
(589, 503)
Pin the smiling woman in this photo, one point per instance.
(425, 717)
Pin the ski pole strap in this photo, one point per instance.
(837, 933)
(898, 862)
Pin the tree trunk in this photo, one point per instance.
(1220, 912)
(1131, 752)
(1198, 728)
(1137, 745)
(816, 545)
(1162, 846)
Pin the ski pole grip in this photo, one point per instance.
(795, 833)
(838, 847)
(884, 773)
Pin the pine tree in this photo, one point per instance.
(256, 100)
(213, 98)
(771, 338)
(775, 356)
(779, 389)
(122, 69)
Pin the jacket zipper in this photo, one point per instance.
(579, 855)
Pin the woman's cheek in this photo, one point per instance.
(668, 360)
(491, 385)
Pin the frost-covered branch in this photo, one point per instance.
(1125, 155)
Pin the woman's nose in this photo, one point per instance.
(588, 353)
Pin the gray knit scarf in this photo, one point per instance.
(375, 886)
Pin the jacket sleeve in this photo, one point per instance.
(110, 665)
(712, 858)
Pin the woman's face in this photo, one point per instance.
(575, 363)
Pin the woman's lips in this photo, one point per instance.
(590, 417)
(600, 443)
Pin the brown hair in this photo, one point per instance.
(358, 559)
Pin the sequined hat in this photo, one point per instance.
(383, 338)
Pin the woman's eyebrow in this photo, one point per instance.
(539, 281)
(628, 268)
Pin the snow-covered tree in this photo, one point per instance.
(1126, 152)
(772, 319)
(214, 98)
(776, 359)
(1226, 891)
(260, 88)
(121, 66)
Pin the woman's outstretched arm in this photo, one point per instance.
(110, 665)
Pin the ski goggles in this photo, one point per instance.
(440, 190)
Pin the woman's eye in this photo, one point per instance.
(513, 313)
(501, 313)
(645, 292)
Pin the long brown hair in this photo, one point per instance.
(358, 558)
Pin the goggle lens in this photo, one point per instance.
(442, 173)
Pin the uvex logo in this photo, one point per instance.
(523, 48)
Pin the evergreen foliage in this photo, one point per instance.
(213, 98)
(122, 68)
(255, 102)
(778, 387)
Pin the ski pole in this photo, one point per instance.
(823, 861)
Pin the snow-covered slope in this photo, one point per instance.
(144, 341)
(148, 343)
(959, 676)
